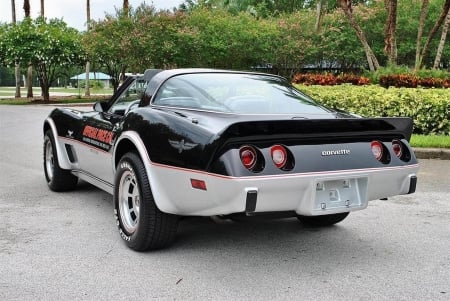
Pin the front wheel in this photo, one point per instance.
(58, 179)
(141, 224)
(322, 220)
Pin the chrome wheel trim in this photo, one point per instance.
(49, 159)
(129, 201)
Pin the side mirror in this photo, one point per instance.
(100, 106)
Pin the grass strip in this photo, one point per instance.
(430, 141)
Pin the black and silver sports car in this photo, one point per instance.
(198, 142)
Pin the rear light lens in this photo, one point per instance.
(279, 155)
(377, 150)
(397, 148)
(249, 156)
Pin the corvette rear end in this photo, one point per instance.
(310, 167)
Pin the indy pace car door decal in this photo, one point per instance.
(95, 151)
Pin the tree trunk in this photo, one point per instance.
(42, 8)
(87, 88)
(346, 6)
(126, 8)
(13, 9)
(26, 9)
(434, 31)
(437, 60)
(17, 76)
(30, 82)
(319, 15)
(17, 65)
(390, 31)
(44, 82)
(423, 16)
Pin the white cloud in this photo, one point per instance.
(73, 12)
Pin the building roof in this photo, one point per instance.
(92, 75)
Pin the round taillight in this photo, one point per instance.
(377, 150)
(279, 155)
(248, 156)
(398, 148)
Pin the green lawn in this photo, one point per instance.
(6, 92)
(437, 141)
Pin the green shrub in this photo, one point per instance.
(402, 76)
(92, 84)
(429, 108)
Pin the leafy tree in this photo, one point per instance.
(87, 91)
(434, 30)
(423, 16)
(48, 46)
(108, 42)
(29, 81)
(390, 31)
(442, 41)
(17, 66)
(346, 6)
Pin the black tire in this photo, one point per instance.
(58, 179)
(322, 220)
(141, 224)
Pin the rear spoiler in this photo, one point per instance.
(321, 128)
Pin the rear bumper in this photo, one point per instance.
(306, 194)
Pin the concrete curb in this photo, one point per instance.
(432, 153)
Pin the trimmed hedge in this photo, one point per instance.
(429, 108)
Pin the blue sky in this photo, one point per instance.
(74, 11)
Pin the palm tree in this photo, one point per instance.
(87, 91)
(26, 8)
(17, 66)
(126, 7)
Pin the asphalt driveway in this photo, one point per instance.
(65, 246)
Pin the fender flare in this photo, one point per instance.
(63, 160)
(136, 140)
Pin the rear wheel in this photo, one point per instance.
(322, 220)
(58, 179)
(141, 224)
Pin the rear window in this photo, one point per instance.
(235, 93)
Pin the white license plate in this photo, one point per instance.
(343, 194)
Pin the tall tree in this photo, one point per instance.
(51, 47)
(17, 66)
(346, 6)
(390, 31)
(87, 87)
(423, 16)
(437, 60)
(320, 5)
(126, 14)
(126, 8)
(433, 32)
(27, 9)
